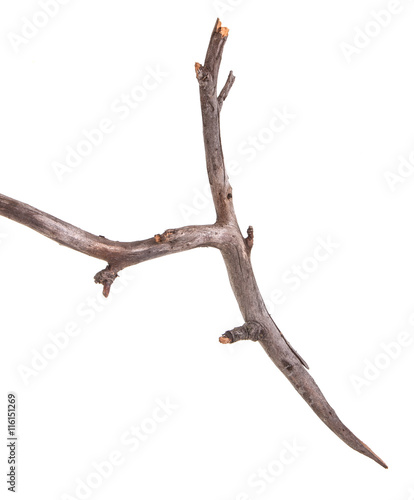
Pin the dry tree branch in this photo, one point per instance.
(117, 254)
(224, 235)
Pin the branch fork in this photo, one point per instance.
(224, 235)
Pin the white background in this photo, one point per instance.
(321, 177)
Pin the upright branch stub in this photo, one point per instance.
(211, 104)
(226, 89)
(250, 238)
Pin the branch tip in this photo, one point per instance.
(375, 457)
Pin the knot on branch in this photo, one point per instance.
(204, 76)
(165, 237)
(106, 277)
(250, 238)
(249, 331)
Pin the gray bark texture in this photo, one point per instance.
(224, 234)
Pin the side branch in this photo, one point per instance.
(226, 89)
(249, 331)
(119, 255)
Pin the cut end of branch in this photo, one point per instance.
(249, 331)
(224, 32)
(221, 29)
(224, 340)
(197, 67)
